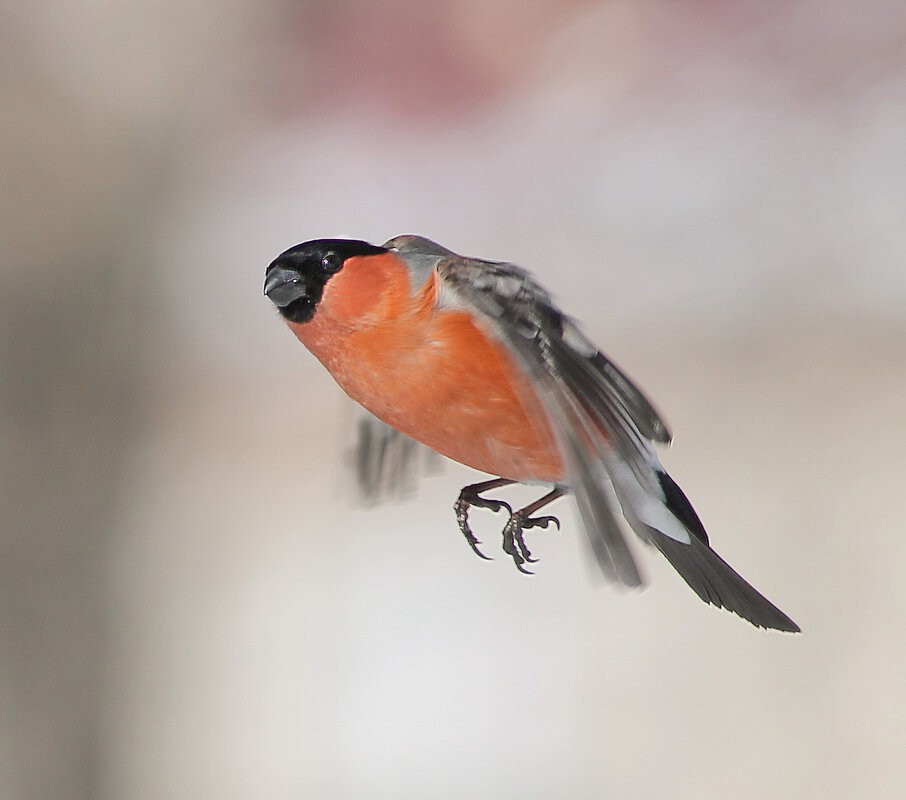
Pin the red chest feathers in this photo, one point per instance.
(433, 374)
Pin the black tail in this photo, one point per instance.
(716, 582)
(710, 577)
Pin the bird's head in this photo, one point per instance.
(295, 280)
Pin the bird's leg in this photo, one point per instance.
(522, 520)
(471, 496)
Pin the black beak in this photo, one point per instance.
(284, 286)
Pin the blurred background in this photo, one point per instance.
(191, 604)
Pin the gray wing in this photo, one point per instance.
(596, 411)
(387, 463)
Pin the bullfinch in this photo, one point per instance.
(473, 359)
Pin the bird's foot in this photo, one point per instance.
(471, 497)
(513, 536)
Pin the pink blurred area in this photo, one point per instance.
(192, 604)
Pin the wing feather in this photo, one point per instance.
(387, 463)
(583, 408)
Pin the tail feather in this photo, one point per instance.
(709, 576)
(717, 583)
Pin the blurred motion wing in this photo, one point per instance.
(387, 463)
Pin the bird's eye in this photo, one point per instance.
(331, 262)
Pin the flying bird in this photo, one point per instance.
(473, 359)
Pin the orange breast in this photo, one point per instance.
(437, 377)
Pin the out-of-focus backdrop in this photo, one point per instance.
(191, 605)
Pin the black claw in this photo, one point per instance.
(513, 532)
(462, 517)
(514, 539)
(494, 505)
(523, 549)
(473, 543)
(540, 522)
(514, 547)
(470, 496)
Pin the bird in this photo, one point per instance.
(474, 359)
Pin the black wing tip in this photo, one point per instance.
(649, 421)
(662, 434)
